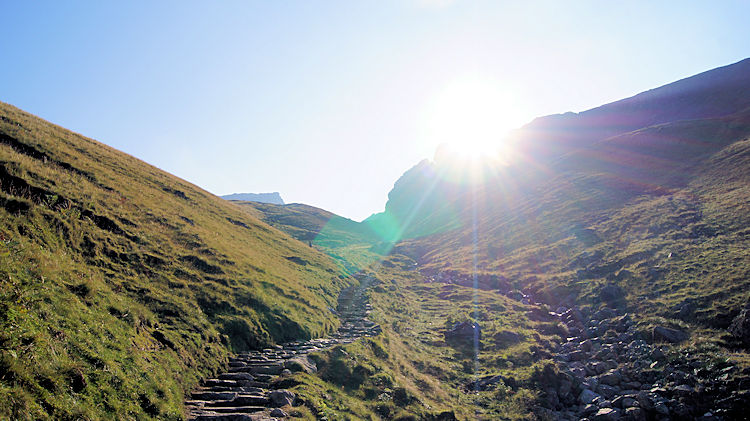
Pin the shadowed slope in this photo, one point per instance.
(715, 93)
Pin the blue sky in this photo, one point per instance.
(330, 102)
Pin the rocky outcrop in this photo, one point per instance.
(740, 327)
(665, 334)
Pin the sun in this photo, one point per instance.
(472, 117)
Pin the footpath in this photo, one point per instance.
(249, 390)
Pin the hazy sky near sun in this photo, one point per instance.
(329, 102)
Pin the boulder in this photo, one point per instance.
(276, 412)
(606, 414)
(740, 326)
(506, 338)
(604, 313)
(612, 294)
(281, 397)
(665, 334)
(587, 345)
(301, 363)
(661, 408)
(686, 309)
(611, 378)
(551, 399)
(634, 413)
(598, 367)
(564, 388)
(464, 332)
(607, 391)
(573, 315)
(577, 355)
(587, 396)
(645, 400)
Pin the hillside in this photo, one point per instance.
(354, 246)
(121, 285)
(610, 205)
(640, 206)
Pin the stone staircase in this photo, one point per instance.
(246, 391)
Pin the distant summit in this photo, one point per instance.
(274, 198)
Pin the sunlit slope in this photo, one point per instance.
(121, 285)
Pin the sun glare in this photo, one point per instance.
(472, 117)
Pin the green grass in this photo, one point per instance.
(353, 246)
(410, 372)
(121, 285)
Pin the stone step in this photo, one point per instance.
(258, 384)
(257, 371)
(248, 388)
(236, 376)
(221, 383)
(240, 400)
(271, 363)
(226, 417)
(237, 409)
(213, 396)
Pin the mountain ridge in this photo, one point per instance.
(274, 197)
(712, 93)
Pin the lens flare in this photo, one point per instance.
(471, 117)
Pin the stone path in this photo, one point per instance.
(246, 392)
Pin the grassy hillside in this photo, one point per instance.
(121, 285)
(658, 208)
(354, 246)
(412, 371)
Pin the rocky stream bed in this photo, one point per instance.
(609, 371)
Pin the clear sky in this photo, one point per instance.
(329, 102)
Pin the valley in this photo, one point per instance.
(603, 275)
